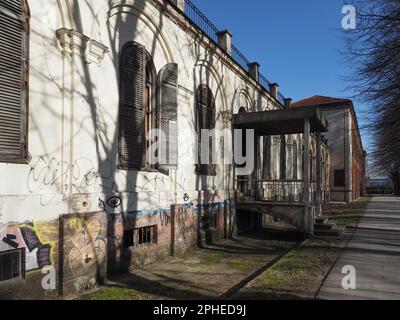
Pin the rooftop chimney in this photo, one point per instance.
(288, 103)
(180, 4)
(225, 41)
(273, 90)
(254, 70)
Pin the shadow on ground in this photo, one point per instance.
(206, 274)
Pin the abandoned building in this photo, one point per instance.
(82, 84)
(348, 176)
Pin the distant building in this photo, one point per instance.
(379, 185)
(348, 158)
(378, 182)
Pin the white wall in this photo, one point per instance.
(74, 110)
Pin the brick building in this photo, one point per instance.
(348, 158)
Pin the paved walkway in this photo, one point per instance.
(374, 251)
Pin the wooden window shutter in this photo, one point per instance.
(14, 51)
(168, 113)
(205, 114)
(131, 119)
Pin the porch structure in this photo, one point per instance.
(297, 202)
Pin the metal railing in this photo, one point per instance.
(211, 30)
(271, 190)
(289, 191)
(200, 20)
(240, 58)
(264, 82)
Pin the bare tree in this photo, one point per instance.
(373, 50)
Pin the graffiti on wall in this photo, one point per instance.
(165, 218)
(48, 173)
(89, 247)
(83, 284)
(114, 202)
(13, 236)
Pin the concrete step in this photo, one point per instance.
(321, 220)
(333, 233)
(324, 226)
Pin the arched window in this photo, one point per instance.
(244, 140)
(150, 105)
(147, 101)
(205, 119)
(137, 106)
(14, 68)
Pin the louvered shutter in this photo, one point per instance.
(168, 108)
(13, 80)
(132, 113)
(205, 120)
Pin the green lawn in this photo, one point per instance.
(353, 213)
(117, 293)
(300, 273)
(297, 274)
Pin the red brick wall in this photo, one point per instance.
(358, 162)
(176, 235)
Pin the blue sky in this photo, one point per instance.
(297, 43)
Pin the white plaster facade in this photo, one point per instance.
(74, 101)
(74, 105)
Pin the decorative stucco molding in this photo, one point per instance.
(74, 42)
(226, 116)
(185, 93)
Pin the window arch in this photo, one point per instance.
(150, 105)
(147, 101)
(138, 114)
(242, 110)
(205, 119)
(244, 140)
(14, 76)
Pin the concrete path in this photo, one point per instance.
(374, 252)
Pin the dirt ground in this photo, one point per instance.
(209, 273)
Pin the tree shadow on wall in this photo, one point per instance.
(121, 217)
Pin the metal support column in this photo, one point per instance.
(319, 176)
(306, 176)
